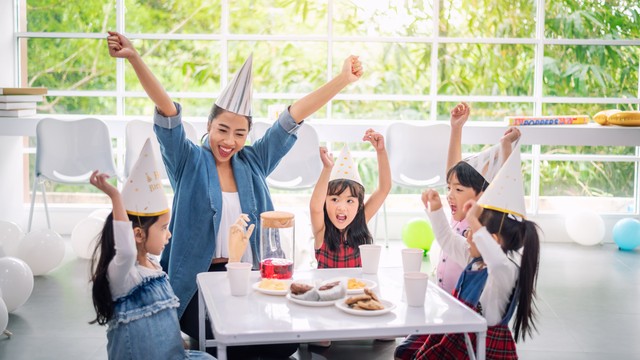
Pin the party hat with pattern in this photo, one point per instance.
(143, 194)
(506, 191)
(345, 168)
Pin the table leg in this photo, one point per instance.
(201, 323)
(467, 341)
(222, 351)
(481, 342)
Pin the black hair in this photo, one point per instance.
(217, 110)
(514, 235)
(102, 255)
(357, 233)
(468, 176)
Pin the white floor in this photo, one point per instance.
(588, 309)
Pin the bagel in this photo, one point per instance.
(602, 117)
(625, 118)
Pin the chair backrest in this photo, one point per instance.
(137, 132)
(301, 167)
(68, 151)
(418, 153)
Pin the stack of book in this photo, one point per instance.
(19, 102)
(547, 120)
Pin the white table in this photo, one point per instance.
(264, 319)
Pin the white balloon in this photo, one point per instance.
(100, 214)
(42, 250)
(10, 237)
(4, 316)
(85, 235)
(16, 282)
(585, 227)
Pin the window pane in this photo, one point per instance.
(582, 109)
(282, 66)
(281, 17)
(389, 68)
(69, 64)
(488, 18)
(71, 16)
(595, 19)
(481, 111)
(179, 65)
(591, 71)
(168, 17)
(586, 178)
(485, 69)
(382, 18)
(89, 105)
(588, 150)
(380, 110)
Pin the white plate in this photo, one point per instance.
(312, 303)
(256, 287)
(388, 306)
(368, 284)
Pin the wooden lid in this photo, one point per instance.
(277, 219)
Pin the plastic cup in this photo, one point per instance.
(415, 287)
(238, 274)
(370, 256)
(412, 259)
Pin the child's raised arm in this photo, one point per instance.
(506, 141)
(319, 196)
(459, 116)
(375, 201)
(303, 108)
(99, 180)
(121, 47)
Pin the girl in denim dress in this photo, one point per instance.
(131, 293)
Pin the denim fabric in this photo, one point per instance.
(145, 324)
(197, 202)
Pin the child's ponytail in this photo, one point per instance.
(102, 256)
(525, 314)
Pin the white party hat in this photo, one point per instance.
(487, 162)
(143, 193)
(345, 168)
(506, 191)
(236, 97)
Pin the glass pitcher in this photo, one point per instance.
(277, 239)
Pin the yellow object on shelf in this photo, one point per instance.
(625, 118)
(602, 117)
(547, 120)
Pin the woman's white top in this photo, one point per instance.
(503, 269)
(231, 211)
(124, 271)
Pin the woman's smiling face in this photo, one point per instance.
(227, 135)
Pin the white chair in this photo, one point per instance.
(137, 132)
(417, 156)
(68, 152)
(301, 167)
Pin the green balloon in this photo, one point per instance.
(418, 234)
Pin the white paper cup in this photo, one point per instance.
(415, 287)
(412, 259)
(238, 274)
(370, 256)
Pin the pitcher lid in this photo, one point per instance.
(277, 219)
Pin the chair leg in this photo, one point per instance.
(33, 200)
(46, 208)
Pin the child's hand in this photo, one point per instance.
(511, 135)
(120, 46)
(473, 211)
(375, 138)
(352, 68)
(460, 114)
(326, 157)
(239, 236)
(431, 200)
(99, 180)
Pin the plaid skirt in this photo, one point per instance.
(500, 345)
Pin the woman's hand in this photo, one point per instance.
(375, 138)
(120, 46)
(431, 200)
(352, 68)
(460, 114)
(326, 157)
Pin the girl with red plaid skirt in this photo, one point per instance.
(498, 283)
(339, 214)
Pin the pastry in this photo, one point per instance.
(303, 291)
(332, 291)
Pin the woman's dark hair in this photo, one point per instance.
(358, 231)
(468, 176)
(514, 235)
(217, 110)
(102, 255)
